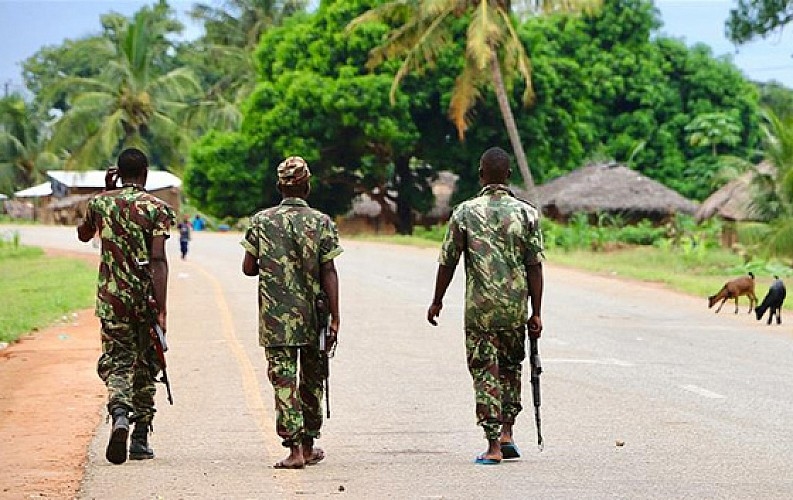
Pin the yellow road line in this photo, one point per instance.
(250, 384)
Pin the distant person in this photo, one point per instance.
(198, 223)
(501, 240)
(133, 226)
(184, 235)
(291, 248)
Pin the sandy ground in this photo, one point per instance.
(50, 402)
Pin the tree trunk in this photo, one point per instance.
(404, 212)
(512, 128)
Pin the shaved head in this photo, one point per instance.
(494, 166)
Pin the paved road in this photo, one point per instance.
(702, 402)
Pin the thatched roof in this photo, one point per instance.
(733, 200)
(611, 188)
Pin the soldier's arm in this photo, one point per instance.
(329, 281)
(250, 265)
(159, 276)
(86, 228)
(442, 280)
(534, 274)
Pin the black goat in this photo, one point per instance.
(773, 300)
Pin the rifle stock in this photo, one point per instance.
(536, 371)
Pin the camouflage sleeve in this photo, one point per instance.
(535, 248)
(250, 242)
(90, 214)
(164, 220)
(453, 243)
(329, 247)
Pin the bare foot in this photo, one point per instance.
(493, 451)
(295, 460)
(313, 456)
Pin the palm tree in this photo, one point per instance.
(23, 159)
(130, 103)
(493, 50)
(713, 129)
(232, 34)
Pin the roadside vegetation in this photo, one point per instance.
(682, 255)
(38, 290)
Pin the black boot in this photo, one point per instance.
(139, 447)
(117, 447)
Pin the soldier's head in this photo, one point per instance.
(494, 167)
(133, 166)
(294, 177)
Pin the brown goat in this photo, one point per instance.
(734, 289)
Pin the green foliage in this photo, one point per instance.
(753, 18)
(606, 233)
(315, 99)
(433, 233)
(713, 129)
(630, 97)
(37, 290)
(224, 176)
(23, 160)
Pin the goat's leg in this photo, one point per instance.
(736, 304)
(770, 316)
(722, 303)
(752, 301)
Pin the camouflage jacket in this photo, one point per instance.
(290, 241)
(499, 236)
(127, 219)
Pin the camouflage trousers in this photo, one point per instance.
(298, 396)
(128, 366)
(494, 362)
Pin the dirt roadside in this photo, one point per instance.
(50, 402)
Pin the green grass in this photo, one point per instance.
(37, 290)
(700, 275)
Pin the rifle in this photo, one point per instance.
(160, 345)
(536, 371)
(323, 315)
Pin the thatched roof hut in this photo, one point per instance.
(614, 189)
(732, 201)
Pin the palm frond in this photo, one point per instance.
(384, 12)
(464, 96)
(515, 56)
(429, 44)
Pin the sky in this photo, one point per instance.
(28, 25)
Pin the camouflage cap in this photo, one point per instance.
(293, 170)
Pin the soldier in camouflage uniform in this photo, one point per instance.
(501, 240)
(291, 248)
(133, 226)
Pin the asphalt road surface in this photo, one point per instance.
(647, 394)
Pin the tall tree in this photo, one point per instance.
(222, 57)
(132, 102)
(23, 159)
(714, 129)
(493, 50)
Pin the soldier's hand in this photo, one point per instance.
(433, 312)
(161, 319)
(535, 327)
(111, 178)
